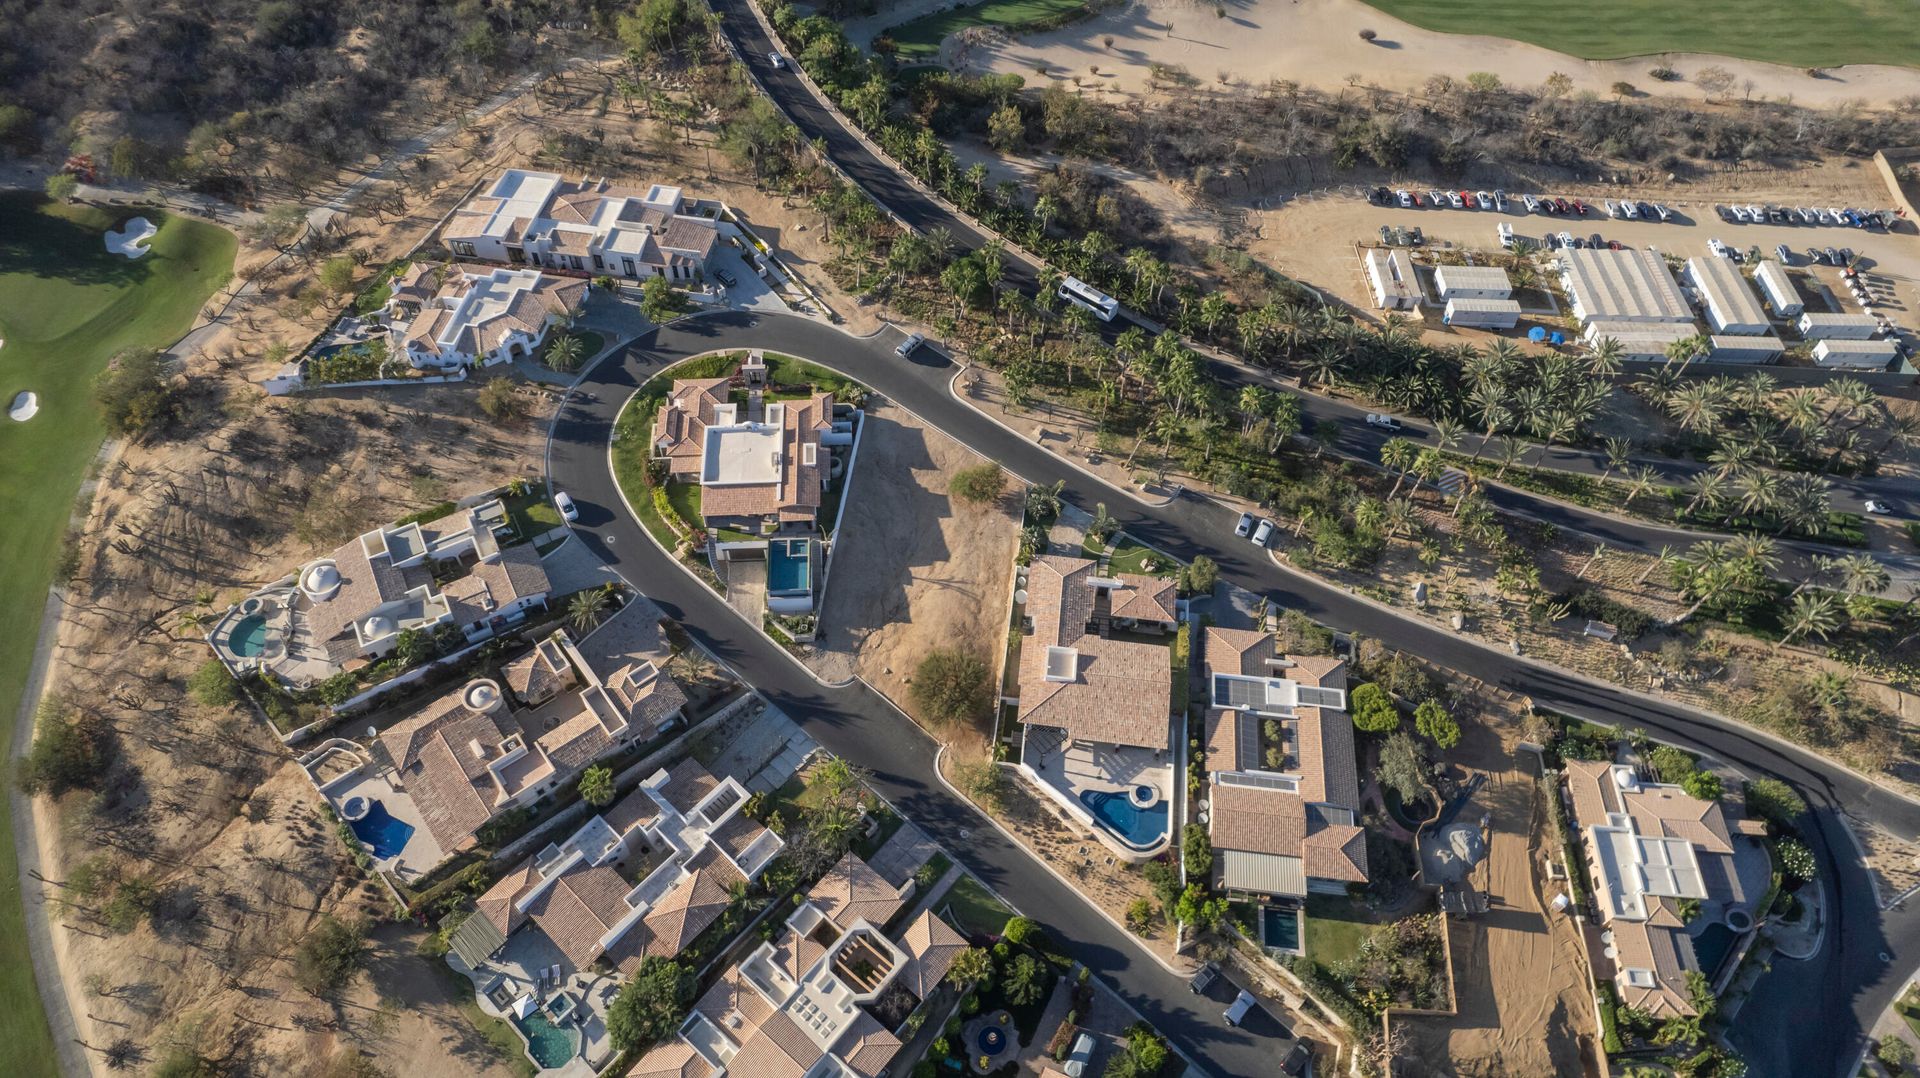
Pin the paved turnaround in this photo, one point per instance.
(1822, 1005)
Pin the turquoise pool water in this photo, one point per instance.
(549, 1045)
(384, 833)
(788, 566)
(1280, 928)
(249, 636)
(1137, 827)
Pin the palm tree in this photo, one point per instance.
(1511, 450)
(1446, 433)
(587, 609)
(1640, 481)
(1604, 361)
(1253, 405)
(1662, 561)
(1619, 451)
(1811, 614)
(1733, 454)
(1694, 408)
(1759, 491)
(1402, 518)
(565, 353)
(1710, 490)
(1860, 574)
(1397, 456)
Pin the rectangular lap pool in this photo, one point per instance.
(1280, 928)
(789, 566)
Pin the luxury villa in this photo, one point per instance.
(351, 607)
(483, 748)
(588, 227)
(1676, 881)
(444, 317)
(813, 1001)
(1283, 791)
(1096, 697)
(763, 467)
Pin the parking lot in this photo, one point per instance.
(1888, 261)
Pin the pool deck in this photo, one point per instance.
(422, 851)
(514, 970)
(1065, 769)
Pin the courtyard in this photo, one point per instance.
(1124, 791)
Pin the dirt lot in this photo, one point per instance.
(914, 570)
(1317, 42)
(1519, 977)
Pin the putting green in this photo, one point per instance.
(66, 306)
(1798, 33)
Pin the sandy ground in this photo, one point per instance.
(208, 807)
(1518, 973)
(1317, 43)
(915, 570)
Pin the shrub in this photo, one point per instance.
(1895, 1053)
(498, 399)
(329, 956)
(133, 901)
(1197, 848)
(1434, 723)
(1372, 710)
(213, 685)
(70, 751)
(950, 686)
(596, 786)
(133, 393)
(1023, 932)
(1199, 576)
(339, 688)
(1796, 860)
(1368, 35)
(658, 300)
(1704, 785)
(1139, 916)
(1775, 802)
(336, 274)
(1671, 764)
(978, 485)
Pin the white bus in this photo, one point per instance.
(1078, 292)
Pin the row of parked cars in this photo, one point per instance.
(1842, 256)
(1805, 215)
(1637, 211)
(1498, 201)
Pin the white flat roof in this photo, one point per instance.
(741, 455)
(1477, 303)
(1629, 285)
(1764, 343)
(1637, 332)
(1473, 278)
(1774, 281)
(1728, 297)
(522, 194)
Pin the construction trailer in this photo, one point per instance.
(1390, 275)
(1472, 282)
(1732, 308)
(1776, 287)
(1745, 349)
(1628, 285)
(1855, 355)
(1838, 327)
(1644, 342)
(1482, 313)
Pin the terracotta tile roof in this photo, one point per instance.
(646, 696)
(496, 905)
(528, 309)
(365, 583)
(433, 758)
(798, 494)
(681, 423)
(1233, 740)
(933, 945)
(693, 237)
(851, 891)
(682, 914)
(671, 1059)
(540, 673)
(687, 783)
(1326, 671)
(734, 1006)
(1145, 598)
(778, 1050)
(866, 1048)
(578, 907)
(1335, 851)
(1237, 651)
(1327, 769)
(1283, 824)
(1121, 691)
(795, 954)
(737, 834)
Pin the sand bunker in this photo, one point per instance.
(132, 238)
(25, 404)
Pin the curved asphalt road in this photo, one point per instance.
(912, 205)
(1827, 1002)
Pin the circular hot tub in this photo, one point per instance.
(355, 808)
(250, 605)
(1143, 795)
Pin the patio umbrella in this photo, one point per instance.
(523, 1006)
(1537, 334)
(1559, 338)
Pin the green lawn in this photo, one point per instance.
(974, 909)
(920, 39)
(1782, 31)
(788, 371)
(1131, 557)
(66, 306)
(531, 513)
(1334, 929)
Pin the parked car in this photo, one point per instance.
(1613, 245)
(1245, 527)
(1714, 246)
(1484, 198)
(1560, 205)
(1437, 199)
(1579, 207)
(1466, 198)
(913, 341)
(1378, 196)
(1505, 232)
(1500, 201)
(776, 60)
(1595, 241)
(1237, 1012)
(1661, 211)
(1298, 1059)
(1612, 208)
(1566, 240)
(1739, 214)
(1785, 254)
(1833, 257)
(726, 278)
(1377, 419)
(1531, 203)
(1846, 256)
(1075, 1065)
(1417, 203)
(1628, 210)
(569, 512)
(1454, 200)
(1263, 533)
(1415, 236)
(1404, 198)
(1725, 212)
(1878, 507)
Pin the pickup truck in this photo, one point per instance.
(1384, 422)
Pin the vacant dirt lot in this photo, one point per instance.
(914, 571)
(1518, 975)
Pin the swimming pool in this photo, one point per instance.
(1712, 946)
(1138, 827)
(249, 636)
(788, 566)
(384, 834)
(1280, 928)
(550, 1046)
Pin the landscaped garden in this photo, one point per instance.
(920, 39)
(66, 306)
(973, 908)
